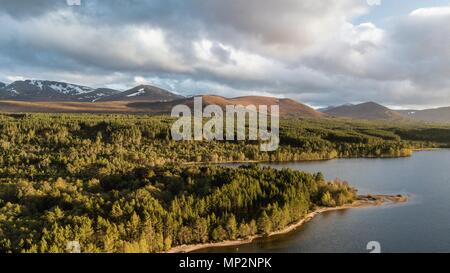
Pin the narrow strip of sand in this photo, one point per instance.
(362, 202)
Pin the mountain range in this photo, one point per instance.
(37, 90)
(53, 96)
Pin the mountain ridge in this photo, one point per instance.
(67, 97)
(143, 92)
(44, 90)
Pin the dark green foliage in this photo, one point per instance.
(153, 216)
(118, 183)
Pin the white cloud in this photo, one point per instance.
(433, 11)
(15, 78)
(139, 80)
(128, 47)
(308, 50)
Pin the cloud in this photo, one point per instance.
(308, 50)
(431, 12)
(26, 8)
(62, 34)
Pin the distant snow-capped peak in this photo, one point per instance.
(61, 87)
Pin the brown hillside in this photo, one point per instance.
(288, 107)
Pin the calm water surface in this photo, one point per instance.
(421, 225)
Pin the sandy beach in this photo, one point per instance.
(362, 202)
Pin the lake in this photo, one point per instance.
(421, 225)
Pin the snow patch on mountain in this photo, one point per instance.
(138, 93)
(70, 89)
(13, 91)
(60, 87)
(37, 83)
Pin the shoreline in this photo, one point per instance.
(312, 160)
(364, 201)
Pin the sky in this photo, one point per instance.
(321, 53)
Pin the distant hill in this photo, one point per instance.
(2, 85)
(288, 107)
(143, 93)
(441, 115)
(324, 109)
(367, 110)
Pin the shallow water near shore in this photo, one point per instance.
(421, 225)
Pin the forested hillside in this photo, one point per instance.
(151, 210)
(118, 183)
